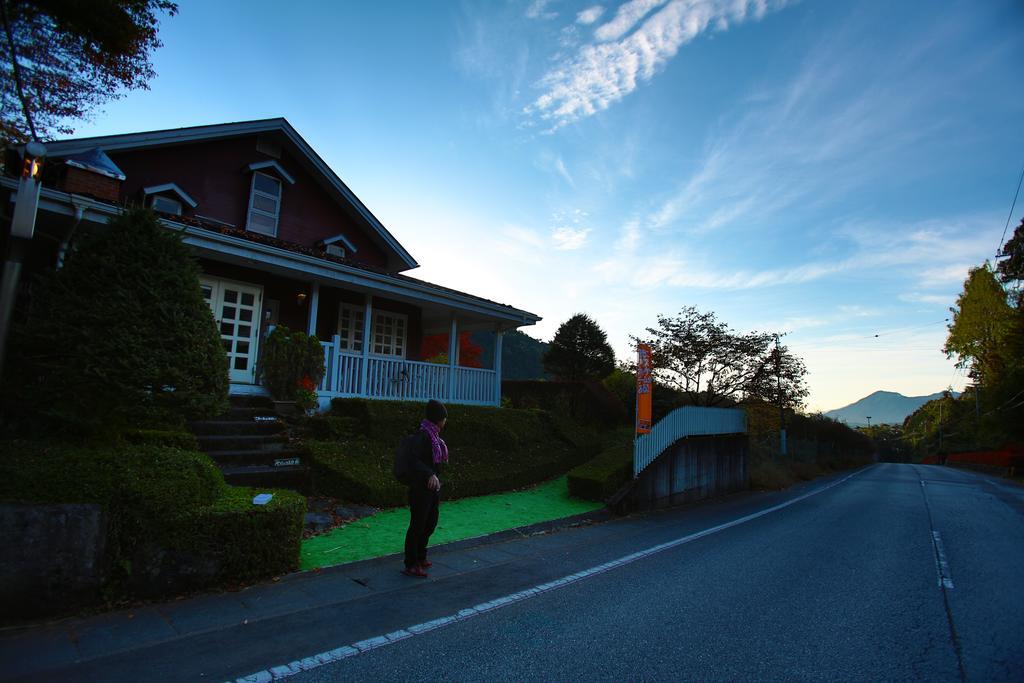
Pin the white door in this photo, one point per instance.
(236, 308)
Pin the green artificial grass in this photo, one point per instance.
(384, 533)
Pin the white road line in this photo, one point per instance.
(318, 660)
(941, 565)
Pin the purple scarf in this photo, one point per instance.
(437, 444)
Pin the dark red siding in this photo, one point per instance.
(216, 175)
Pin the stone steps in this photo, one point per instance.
(249, 444)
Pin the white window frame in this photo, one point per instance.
(392, 349)
(165, 198)
(351, 341)
(253, 194)
(338, 250)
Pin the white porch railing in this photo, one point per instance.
(403, 380)
(683, 422)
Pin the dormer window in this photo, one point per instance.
(162, 204)
(264, 204)
(265, 196)
(339, 246)
(168, 198)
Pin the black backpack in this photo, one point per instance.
(406, 451)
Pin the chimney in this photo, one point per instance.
(93, 174)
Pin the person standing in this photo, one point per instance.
(428, 458)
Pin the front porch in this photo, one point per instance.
(395, 379)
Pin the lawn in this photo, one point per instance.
(384, 533)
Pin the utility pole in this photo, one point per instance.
(778, 391)
(23, 225)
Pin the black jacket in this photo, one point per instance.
(423, 465)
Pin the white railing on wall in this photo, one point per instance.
(403, 380)
(683, 422)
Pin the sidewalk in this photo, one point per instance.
(41, 650)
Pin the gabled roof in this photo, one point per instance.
(176, 136)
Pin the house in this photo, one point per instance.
(280, 239)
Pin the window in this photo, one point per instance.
(166, 205)
(336, 250)
(264, 204)
(388, 334)
(350, 328)
(389, 330)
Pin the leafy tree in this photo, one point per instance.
(522, 356)
(63, 58)
(434, 348)
(120, 335)
(1011, 267)
(982, 321)
(715, 365)
(579, 351)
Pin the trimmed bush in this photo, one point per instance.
(600, 478)
(245, 541)
(589, 402)
(119, 336)
(172, 523)
(185, 441)
(291, 359)
(491, 449)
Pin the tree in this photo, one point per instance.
(434, 348)
(982, 322)
(715, 365)
(63, 58)
(579, 351)
(1011, 267)
(120, 335)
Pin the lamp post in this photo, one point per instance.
(23, 226)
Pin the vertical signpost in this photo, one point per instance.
(644, 384)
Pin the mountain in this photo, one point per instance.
(521, 355)
(884, 407)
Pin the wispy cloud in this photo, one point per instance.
(589, 15)
(895, 250)
(569, 239)
(603, 73)
(538, 9)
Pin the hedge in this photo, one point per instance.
(600, 478)
(172, 522)
(492, 449)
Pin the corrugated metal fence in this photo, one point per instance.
(684, 422)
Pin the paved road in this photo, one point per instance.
(845, 585)
(895, 572)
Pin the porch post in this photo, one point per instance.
(498, 335)
(314, 305)
(453, 358)
(367, 324)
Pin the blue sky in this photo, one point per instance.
(829, 169)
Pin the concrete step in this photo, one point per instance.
(249, 401)
(262, 458)
(247, 427)
(211, 443)
(295, 477)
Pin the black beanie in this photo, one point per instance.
(436, 411)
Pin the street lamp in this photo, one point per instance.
(869, 421)
(23, 226)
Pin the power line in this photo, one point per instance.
(1008, 217)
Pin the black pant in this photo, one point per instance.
(423, 504)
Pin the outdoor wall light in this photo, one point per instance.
(300, 298)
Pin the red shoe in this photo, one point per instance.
(426, 563)
(416, 571)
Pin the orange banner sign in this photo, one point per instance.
(644, 385)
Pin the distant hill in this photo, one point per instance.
(521, 354)
(884, 407)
